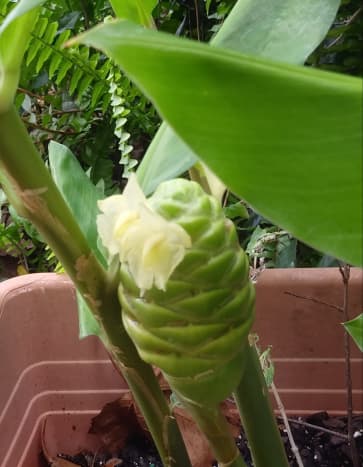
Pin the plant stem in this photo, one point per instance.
(345, 273)
(31, 190)
(258, 419)
(144, 386)
(49, 130)
(214, 426)
(282, 411)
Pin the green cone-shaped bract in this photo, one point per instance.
(196, 329)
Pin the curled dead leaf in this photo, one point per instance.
(117, 422)
(121, 419)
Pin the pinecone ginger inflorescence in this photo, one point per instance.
(187, 302)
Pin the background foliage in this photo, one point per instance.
(77, 97)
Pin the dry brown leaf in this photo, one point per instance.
(116, 422)
(231, 413)
(122, 418)
(195, 442)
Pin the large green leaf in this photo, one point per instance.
(138, 11)
(79, 193)
(287, 31)
(14, 35)
(285, 138)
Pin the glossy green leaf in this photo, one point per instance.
(14, 36)
(355, 328)
(138, 11)
(81, 196)
(280, 30)
(167, 157)
(78, 191)
(286, 31)
(236, 210)
(273, 132)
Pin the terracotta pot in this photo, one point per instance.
(307, 337)
(46, 372)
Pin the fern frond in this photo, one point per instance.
(81, 69)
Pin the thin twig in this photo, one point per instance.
(335, 41)
(293, 421)
(29, 93)
(345, 273)
(266, 364)
(281, 408)
(354, 15)
(317, 428)
(63, 112)
(197, 18)
(312, 299)
(345, 23)
(225, 198)
(49, 130)
(86, 18)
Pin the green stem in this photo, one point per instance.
(216, 429)
(31, 190)
(259, 422)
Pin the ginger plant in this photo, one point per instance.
(186, 302)
(32, 191)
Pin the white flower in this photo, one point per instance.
(151, 246)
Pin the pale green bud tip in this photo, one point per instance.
(149, 245)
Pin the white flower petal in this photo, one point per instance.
(151, 246)
(106, 222)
